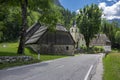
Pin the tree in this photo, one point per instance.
(117, 37)
(89, 21)
(10, 22)
(67, 17)
(2, 16)
(42, 5)
(110, 29)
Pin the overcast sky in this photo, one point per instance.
(111, 8)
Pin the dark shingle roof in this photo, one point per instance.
(38, 31)
(100, 40)
(60, 27)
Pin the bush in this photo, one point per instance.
(98, 49)
(92, 50)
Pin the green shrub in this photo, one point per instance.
(93, 49)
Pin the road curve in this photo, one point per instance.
(70, 68)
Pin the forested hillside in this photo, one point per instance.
(10, 19)
(58, 3)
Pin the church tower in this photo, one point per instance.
(74, 31)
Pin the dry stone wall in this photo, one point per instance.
(11, 59)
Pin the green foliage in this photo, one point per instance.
(50, 17)
(110, 29)
(1, 35)
(1, 32)
(12, 23)
(117, 37)
(23, 13)
(112, 67)
(33, 16)
(43, 6)
(98, 49)
(68, 17)
(89, 21)
(11, 20)
(92, 50)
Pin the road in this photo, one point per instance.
(77, 67)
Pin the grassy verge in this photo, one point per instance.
(10, 49)
(112, 67)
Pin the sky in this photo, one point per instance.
(111, 8)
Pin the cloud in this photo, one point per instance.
(109, 0)
(78, 12)
(112, 0)
(110, 12)
(102, 5)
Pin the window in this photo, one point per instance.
(67, 48)
(76, 30)
(72, 30)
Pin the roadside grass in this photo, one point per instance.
(112, 66)
(10, 49)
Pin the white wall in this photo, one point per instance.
(107, 48)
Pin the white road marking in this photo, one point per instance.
(88, 73)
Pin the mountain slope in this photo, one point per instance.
(116, 20)
(57, 2)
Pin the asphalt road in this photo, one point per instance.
(69, 68)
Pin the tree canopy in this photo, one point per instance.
(89, 21)
(110, 29)
(43, 6)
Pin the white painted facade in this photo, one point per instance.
(78, 38)
(107, 48)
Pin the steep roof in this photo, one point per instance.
(36, 31)
(100, 40)
(60, 27)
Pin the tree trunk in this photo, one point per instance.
(24, 26)
(87, 44)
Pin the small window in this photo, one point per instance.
(67, 48)
(72, 30)
(76, 30)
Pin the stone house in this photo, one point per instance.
(101, 40)
(43, 41)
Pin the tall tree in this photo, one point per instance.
(68, 17)
(42, 5)
(89, 20)
(24, 4)
(110, 29)
(117, 37)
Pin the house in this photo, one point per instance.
(101, 40)
(43, 41)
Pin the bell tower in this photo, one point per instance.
(74, 31)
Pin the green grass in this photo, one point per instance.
(11, 50)
(112, 67)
